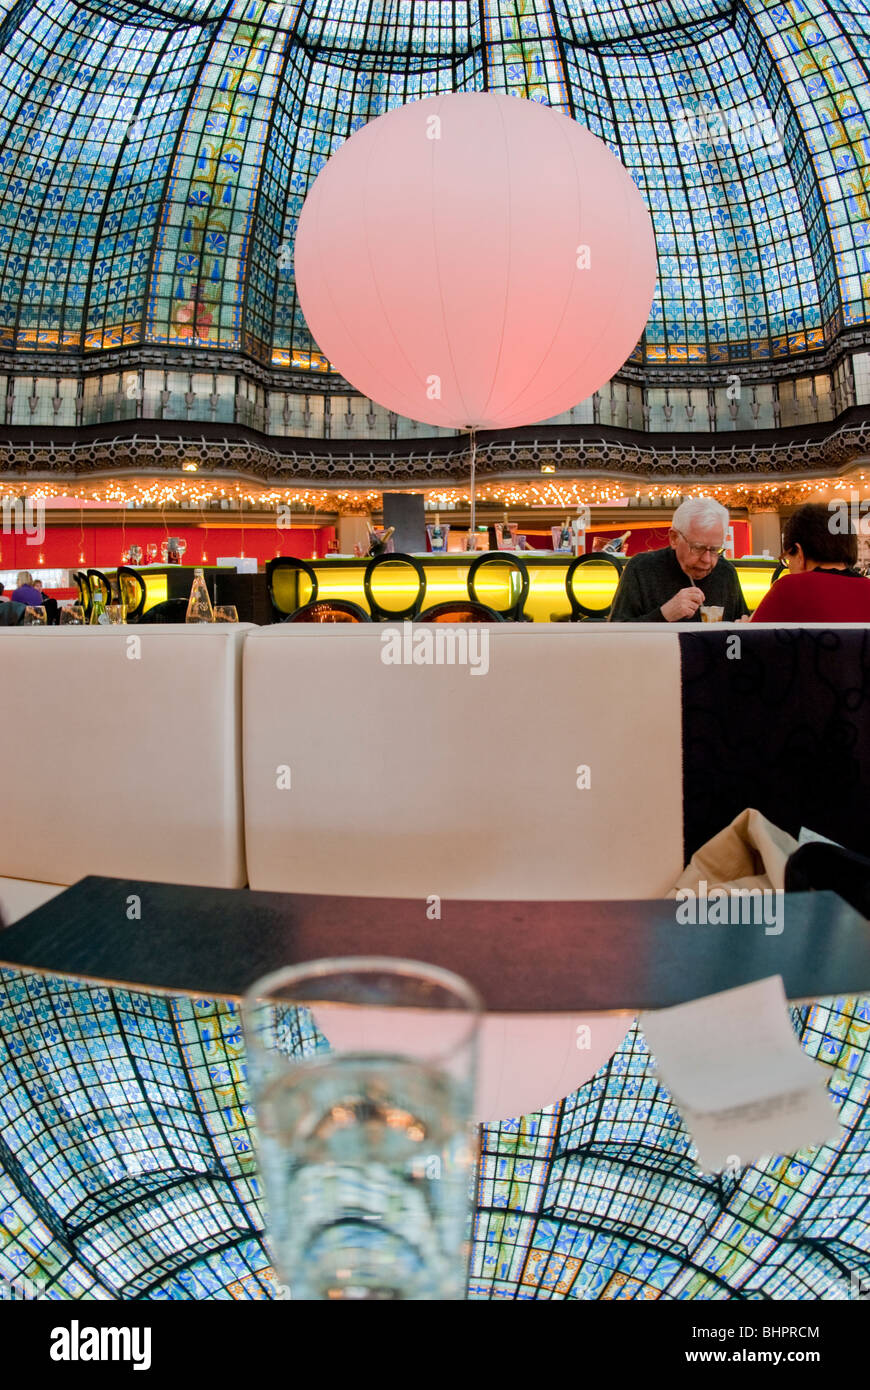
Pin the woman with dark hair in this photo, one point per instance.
(822, 584)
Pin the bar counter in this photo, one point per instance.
(447, 578)
(343, 577)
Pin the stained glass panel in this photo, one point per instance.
(154, 159)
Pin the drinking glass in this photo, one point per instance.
(181, 547)
(34, 616)
(362, 1073)
(226, 613)
(115, 613)
(712, 613)
(74, 614)
(152, 552)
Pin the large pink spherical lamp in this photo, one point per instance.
(475, 260)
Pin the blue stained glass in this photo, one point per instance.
(127, 1168)
(132, 137)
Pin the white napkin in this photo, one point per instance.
(739, 1076)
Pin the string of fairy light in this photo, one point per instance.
(557, 493)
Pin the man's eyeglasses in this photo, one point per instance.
(700, 550)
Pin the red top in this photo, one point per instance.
(815, 597)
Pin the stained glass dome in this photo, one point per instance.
(154, 158)
(127, 1169)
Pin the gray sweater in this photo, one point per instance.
(653, 577)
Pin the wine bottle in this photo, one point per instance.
(199, 609)
(379, 543)
(98, 606)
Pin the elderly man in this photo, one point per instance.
(670, 585)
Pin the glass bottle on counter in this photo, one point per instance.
(199, 609)
(98, 605)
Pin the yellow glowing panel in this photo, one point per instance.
(156, 590)
(291, 589)
(445, 583)
(342, 581)
(547, 599)
(754, 581)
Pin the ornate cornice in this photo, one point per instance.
(164, 447)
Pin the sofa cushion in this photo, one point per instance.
(122, 746)
(368, 777)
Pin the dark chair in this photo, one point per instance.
(84, 588)
(52, 610)
(131, 587)
(329, 610)
(459, 611)
(96, 579)
(602, 571)
(171, 610)
(291, 584)
(409, 571)
(11, 614)
(499, 582)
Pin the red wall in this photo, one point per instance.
(62, 547)
(655, 537)
(642, 538)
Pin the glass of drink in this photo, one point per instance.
(362, 1073)
(74, 614)
(712, 613)
(34, 615)
(115, 613)
(226, 613)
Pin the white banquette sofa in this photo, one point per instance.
(120, 754)
(159, 753)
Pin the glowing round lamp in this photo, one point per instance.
(475, 260)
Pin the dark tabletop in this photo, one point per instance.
(550, 957)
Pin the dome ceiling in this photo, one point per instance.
(154, 158)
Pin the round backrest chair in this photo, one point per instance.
(499, 582)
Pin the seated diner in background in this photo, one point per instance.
(26, 592)
(821, 560)
(672, 584)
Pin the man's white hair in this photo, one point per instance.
(705, 510)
